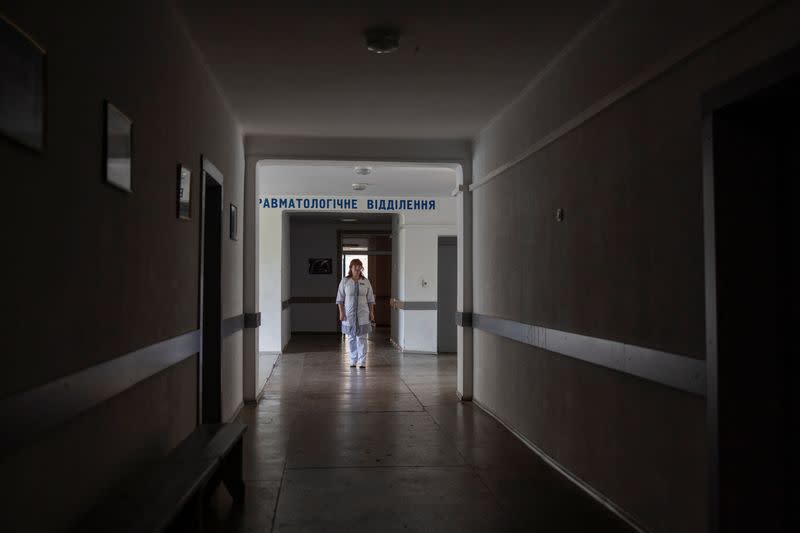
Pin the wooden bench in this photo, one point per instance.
(174, 489)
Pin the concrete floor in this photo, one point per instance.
(389, 448)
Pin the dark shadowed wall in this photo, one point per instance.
(92, 273)
(611, 134)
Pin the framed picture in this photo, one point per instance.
(22, 87)
(184, 192)
(118, 133)
(234, 223)
(320, 265)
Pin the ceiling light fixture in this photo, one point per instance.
(349, 220)
(382, 39)
(363, 171)
(359, 186)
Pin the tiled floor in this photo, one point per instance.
(389, 448)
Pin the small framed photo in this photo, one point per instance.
(184, 193)
(234, 223)
(118, 152)
(22, 87)
(320, 265)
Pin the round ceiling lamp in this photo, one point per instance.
(363, 171)
(382, 39)
(359, 186)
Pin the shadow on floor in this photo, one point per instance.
(389, 448)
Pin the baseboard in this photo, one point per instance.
(581, 484)
(260, 392)
(414, 352)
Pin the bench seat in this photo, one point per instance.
(175, 485)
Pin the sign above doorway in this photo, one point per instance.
(347, 204)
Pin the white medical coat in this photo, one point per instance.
(356, 297)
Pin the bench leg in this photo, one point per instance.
(190, 519)
(232, 473)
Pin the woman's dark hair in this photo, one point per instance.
(350, 268)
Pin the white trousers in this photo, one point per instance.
(358, 349)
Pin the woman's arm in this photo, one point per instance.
(371, 302)
(340, 300)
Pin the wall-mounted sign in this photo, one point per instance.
(320, 265)
(347, 204)
(234, 223)
(22, 87)
(184, 192)
(118, 151)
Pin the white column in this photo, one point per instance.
(270, 263)
(464, 303)
(251, 281)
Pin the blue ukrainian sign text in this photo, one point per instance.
(339, 204)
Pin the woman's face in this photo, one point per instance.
(355, 270)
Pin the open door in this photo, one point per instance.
(752, 169)
(210, 366)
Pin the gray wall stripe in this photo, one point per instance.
(419, 306)
(24, 416)
(232, 325)
(677, 371)
(415, 306)
(252, 320)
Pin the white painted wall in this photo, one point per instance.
(418, 246)
(286, 279)
(270, 338)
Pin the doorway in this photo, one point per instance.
(210, 367)
(374, 249)
(447, 287)
(752, 167)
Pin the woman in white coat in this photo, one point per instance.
(356, 304)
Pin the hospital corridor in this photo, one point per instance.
(380, 266)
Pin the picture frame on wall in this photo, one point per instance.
(234, 225)
(118, 147)
(184, 192)
(22, 87)
(320, 265)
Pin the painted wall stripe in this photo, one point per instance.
(413, 306)
(252, 320)
(232, 325)
(25, 416)
(676, 371)
(312, 300)
(464, 319)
